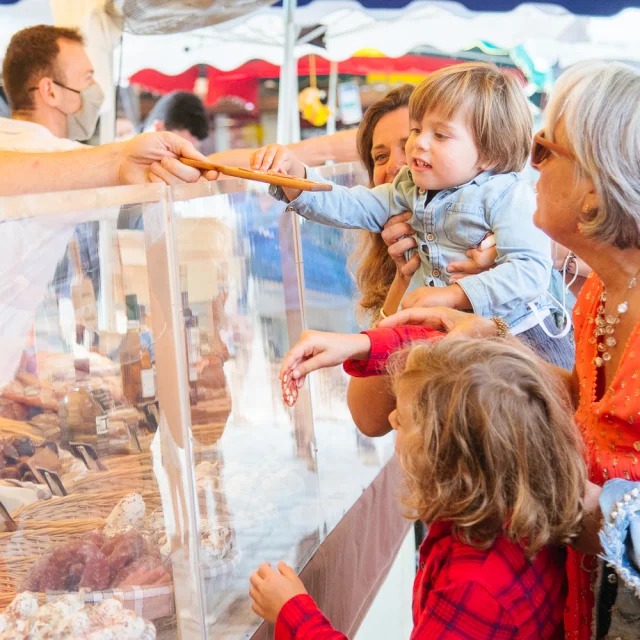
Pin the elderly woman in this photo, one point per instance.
(588, 156)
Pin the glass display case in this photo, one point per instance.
(149, 463)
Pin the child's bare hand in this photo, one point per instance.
(271, 589)
(320, 349)
(480, 259)
(276, 158)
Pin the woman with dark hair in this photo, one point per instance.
(382, 136)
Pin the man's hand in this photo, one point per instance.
(271, 590)
(452, 296)
(321, 349)
(154, 157)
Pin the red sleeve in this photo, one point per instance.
(300, 619)
(463, 611)
(384, 342)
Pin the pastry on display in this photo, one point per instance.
(68, 618)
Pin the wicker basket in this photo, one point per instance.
(149, 602)
(137, 479)
(30, 542)
(82, 505)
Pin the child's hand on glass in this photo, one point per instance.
(320, 349)
(271, 589)
(276, 158)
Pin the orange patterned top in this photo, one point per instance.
(611, 430)
(610, 426)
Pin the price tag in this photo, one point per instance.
(88, 455)
(148, 383)
(101, 425)
(53, 481)
(9, 523)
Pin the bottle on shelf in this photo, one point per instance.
(138, 381)
(192, 336)
(82, 417)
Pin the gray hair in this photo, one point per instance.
(599, 104)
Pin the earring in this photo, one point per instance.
(586, 208)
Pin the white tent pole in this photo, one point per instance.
(332, 101)
(288, 106)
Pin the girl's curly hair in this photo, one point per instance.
(492, 447)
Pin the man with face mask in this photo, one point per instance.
(54, 100)
(55, 103)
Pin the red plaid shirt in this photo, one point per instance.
(464, 593)
(384, 342)
(460, 591)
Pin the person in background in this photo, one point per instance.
(493, 466)
(182, 113)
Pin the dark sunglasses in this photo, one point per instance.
(543, 148)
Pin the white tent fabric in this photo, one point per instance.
(549, 35)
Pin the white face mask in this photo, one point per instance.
(82, 124)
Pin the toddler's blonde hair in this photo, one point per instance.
(492, 447)
(494, 103)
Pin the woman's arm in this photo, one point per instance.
(460, 323)
(370, 401)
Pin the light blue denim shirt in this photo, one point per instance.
(455, 221)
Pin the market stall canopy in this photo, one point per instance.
(242, 83)
(146, 17)
(547, 34)
(579, 7)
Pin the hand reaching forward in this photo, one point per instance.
(271, 589)
(154, 157)
(320, 349)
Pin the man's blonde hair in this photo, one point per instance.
(494, 104)
(492, 447)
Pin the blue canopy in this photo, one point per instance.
(578, 7)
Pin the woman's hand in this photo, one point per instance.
(589, 539)
(397, 235)
(320, 349)
(451, 321)
(278, 159)
(271, 589)
(481, 259)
